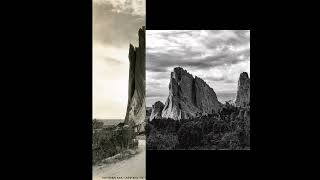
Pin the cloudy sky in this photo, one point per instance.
(217, 56)
(115, 26)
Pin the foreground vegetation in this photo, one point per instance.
(229, 129)
(111, 140)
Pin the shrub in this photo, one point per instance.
(229, 141)
(148, 128)
(109, 142)
(159, 141)
(227, 129)
(211, 139)
(190, 134)
(96, 124)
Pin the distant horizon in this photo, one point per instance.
(220, 95)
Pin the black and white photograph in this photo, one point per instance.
(118, 141)
(198, 89)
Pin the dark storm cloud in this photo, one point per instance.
(161, 62)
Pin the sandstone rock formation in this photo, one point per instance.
(157, 108)
(136, 108)
(189, 97)
(243, 93)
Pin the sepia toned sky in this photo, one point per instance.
(216, 56)
(115, 26)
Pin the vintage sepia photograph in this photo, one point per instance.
(198, 89)
(119, 106)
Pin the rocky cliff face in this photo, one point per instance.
(243, 93)
(189, 97)
(136, 108)
(156, 112)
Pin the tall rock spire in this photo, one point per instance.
(243, 93)
(136, 107)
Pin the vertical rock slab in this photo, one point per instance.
(206, 98)
(136, 108)
(243, 93)
(189, 97)
(180, 103)
(156, 112)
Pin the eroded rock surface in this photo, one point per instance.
(189, 97)
(243, 93)
(156, 112)
(136, 108)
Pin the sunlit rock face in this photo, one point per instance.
(136, 108)
(156, 112)
(189, 97)
(206, 98)
(243, 93)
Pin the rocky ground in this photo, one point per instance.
(133, 167)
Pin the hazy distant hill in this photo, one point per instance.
(226, 96)
(108, 122)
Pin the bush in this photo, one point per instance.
(109, 142)
(211, 139)
(159, 141)
(229, 141)
(96, 124)
(190, 134)
(148, 128)
(227, 129)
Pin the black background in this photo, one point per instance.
(48, 91)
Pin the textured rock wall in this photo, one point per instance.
(136, 108)
(206, 98)
(156, 112)
(188, 96)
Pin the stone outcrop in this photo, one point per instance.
(189, 97)
(136, 108)
(230, 102)
(243, 93)
(156, 112)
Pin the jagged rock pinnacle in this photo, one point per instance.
(243, 93)
(189, 96)
(136, 108)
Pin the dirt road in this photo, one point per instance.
(132, 167)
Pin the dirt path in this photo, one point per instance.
(132, 167)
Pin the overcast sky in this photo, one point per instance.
(217, 56)
(115, 26)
